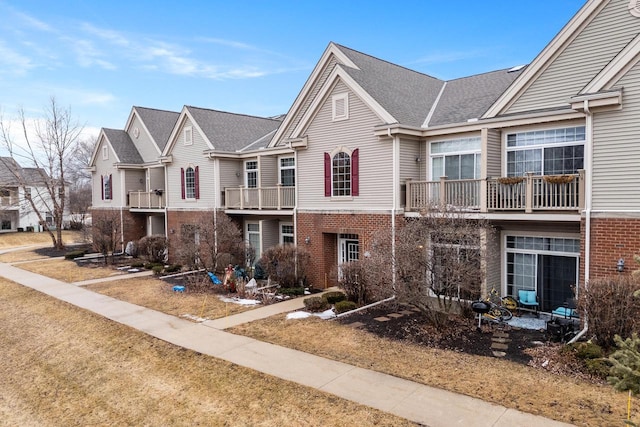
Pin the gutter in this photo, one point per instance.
(587, 211)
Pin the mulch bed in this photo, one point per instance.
(459, 334)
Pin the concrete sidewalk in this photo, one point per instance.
(416, 402)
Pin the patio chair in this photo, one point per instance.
(566, 310)
(528, 300)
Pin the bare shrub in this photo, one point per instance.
(361, 282)
(153, 248)
(106, 234)
(212, 243)
(611, 308)
(286, 264)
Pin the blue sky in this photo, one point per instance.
(100, 58)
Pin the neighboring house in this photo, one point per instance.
(17, 186)
(548, 153)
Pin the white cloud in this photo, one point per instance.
(15, 62)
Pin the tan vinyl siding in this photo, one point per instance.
(270, 233)
(143, 142)
(492, 263)
(616, 151)
(409, 166)
(331, 63)
(132, 180)
(183, 157)
(325, 135)
(492, 157)
(105, 167)
(268, 171)
(582, 60)
(230, 174)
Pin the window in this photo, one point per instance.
(188, 135)
(341, 174)
(190, 182)
(546, 152)
(107, 187)
(340, 106)
(105, 152)
(6, 224)
(456, 159)
(288, 171)
(251, 174)
(253, 237)
(27, 193)
(286, 234)
(191, 233)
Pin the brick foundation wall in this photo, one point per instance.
(611, 239)
(323, 230)
(133, 225)
(175, 220)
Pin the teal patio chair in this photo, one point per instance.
(528, 300)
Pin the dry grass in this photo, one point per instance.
(68, 271)
(65, 366)
(12, 240)
(156, 294)
(490, 379)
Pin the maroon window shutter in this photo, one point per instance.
(182, 180)
(355, 172)
(327, 175)
(102, 186)
(197, 182)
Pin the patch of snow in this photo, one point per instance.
(133, 270)
(307, 292)
(328, 314)
(194, 318)
(240, 301)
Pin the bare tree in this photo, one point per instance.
(437, 263)
(106, 231)
(79, 176)
(48, 143)
(213, 243)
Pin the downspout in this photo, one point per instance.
(166, 207)
(295, 206)
(587, 209)
(216, 190)
(123, 194)
(396, 158)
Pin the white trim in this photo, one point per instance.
(336, 100)
(570, 31)
(331, 50)
(433, 107)
(337, 74)
(618, 67)
(182, 120)
(281, 234)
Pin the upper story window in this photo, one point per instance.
(107, 187)
(546, 152)
(105, 152)
(251, 173)
(340, 106)
(341, 173)
(188, 135)
(190, 178)
(456, 158)
(288, 171)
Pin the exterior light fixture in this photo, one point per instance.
(307, 240)
(620, 265)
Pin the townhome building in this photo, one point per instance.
(547, 152)
(21, 190)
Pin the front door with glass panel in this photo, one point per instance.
(348, 250)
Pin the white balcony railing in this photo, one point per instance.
(146, 199)
(279, 197)
(528, 193)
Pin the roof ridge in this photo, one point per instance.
(156, 109)
(387, 62)
(485, 73)
(231, 113)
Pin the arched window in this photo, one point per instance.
(341, 174)
(190, 183)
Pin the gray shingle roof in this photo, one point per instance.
(160, 123)
(470, 97)
(123, 146)
(233, 132)
(406, 94)
(409, 96)
(12, 174)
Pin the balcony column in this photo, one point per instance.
(279, 191)
(241, 197)
(528, 198)
(443, 192)
(581, 189)
(484, 188)
(407, 195)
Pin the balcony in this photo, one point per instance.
(528, 194)
(146, 199)
(10, 202)
(277, 198)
